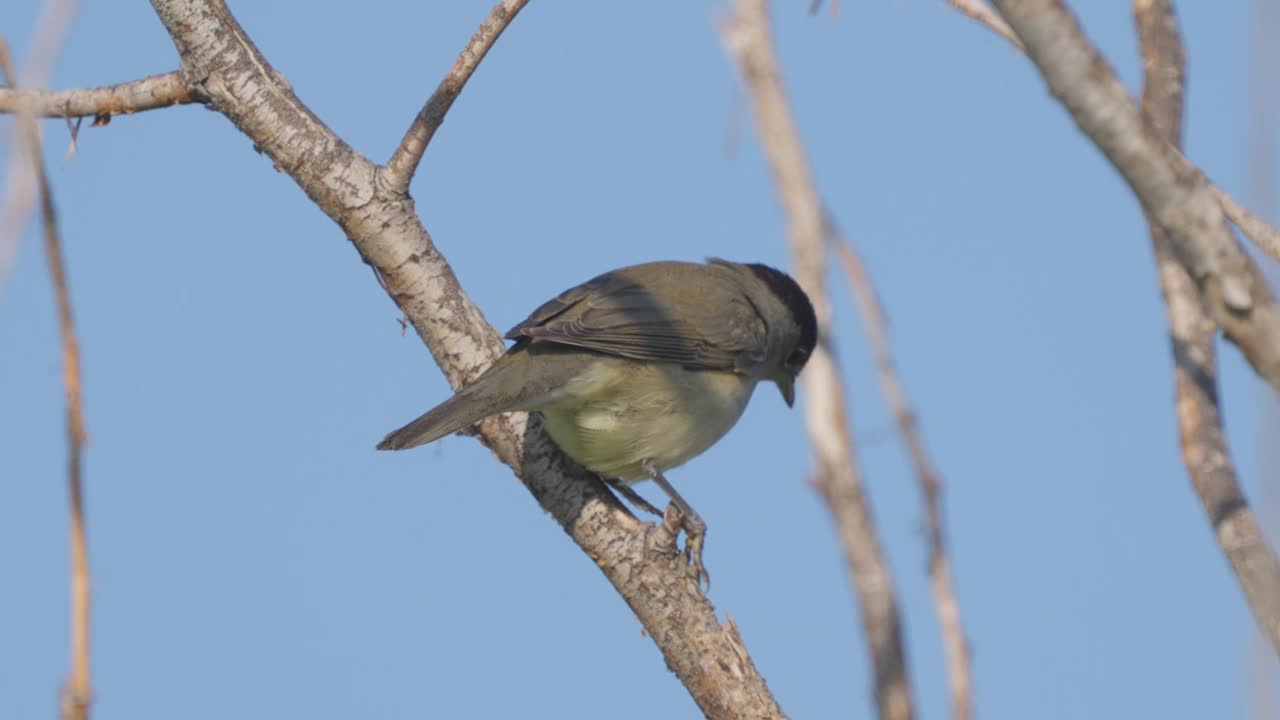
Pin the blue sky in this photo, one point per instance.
(254, 557)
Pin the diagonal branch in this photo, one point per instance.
(220, 66)
(77, 692)
(1174, 192)
(959, 674)
(1204, 446)
(404, 161)
(748, 39)
(148, 93)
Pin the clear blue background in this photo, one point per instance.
(255, 558)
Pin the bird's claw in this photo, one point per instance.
(693, 555)
(695, 535)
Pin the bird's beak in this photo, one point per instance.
(787, 386)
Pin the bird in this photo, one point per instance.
(641, 369)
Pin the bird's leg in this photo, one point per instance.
(695, 529)
(632, 496)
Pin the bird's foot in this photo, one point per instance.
(695, 531)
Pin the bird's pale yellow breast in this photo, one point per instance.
(622, 413)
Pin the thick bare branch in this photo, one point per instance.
(982, 13)
(749, 40)
(1204, 445)
(404, 161)
(148, 93)
(1172, 190)
(959, 673)
(221, 66)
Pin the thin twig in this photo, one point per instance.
(148, 93)
(1265, 237)
(748, 39)
(77, 693)
(404, 161)
(981, 12)
(76, 690)
(959, 673)
(1204, 446)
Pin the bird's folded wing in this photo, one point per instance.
(617, 317)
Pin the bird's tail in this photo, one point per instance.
(458, 412)
(540, 371)
(485, 396)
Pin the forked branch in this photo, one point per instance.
(1204, 445)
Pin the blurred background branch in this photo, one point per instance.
(748, 39)
(947, 605)
(77, 689)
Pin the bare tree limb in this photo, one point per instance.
(77, 690)
(220, 66)
(982, 13)
(148, 93)
(959, 673)
(1172, 190)
(404, 161)
(748, 39)
(1204, 446)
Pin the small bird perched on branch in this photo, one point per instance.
(641, 369)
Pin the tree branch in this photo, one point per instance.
(959, 674)
(404, 161)
(1204, 446)
(148, 93)
(747, 36)
(221, 66)
(77, 690)
(982, 13)
(1172, 190)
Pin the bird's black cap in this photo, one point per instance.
(795, 299)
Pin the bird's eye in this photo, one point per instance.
(797, 358)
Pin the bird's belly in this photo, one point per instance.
(663, 414)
